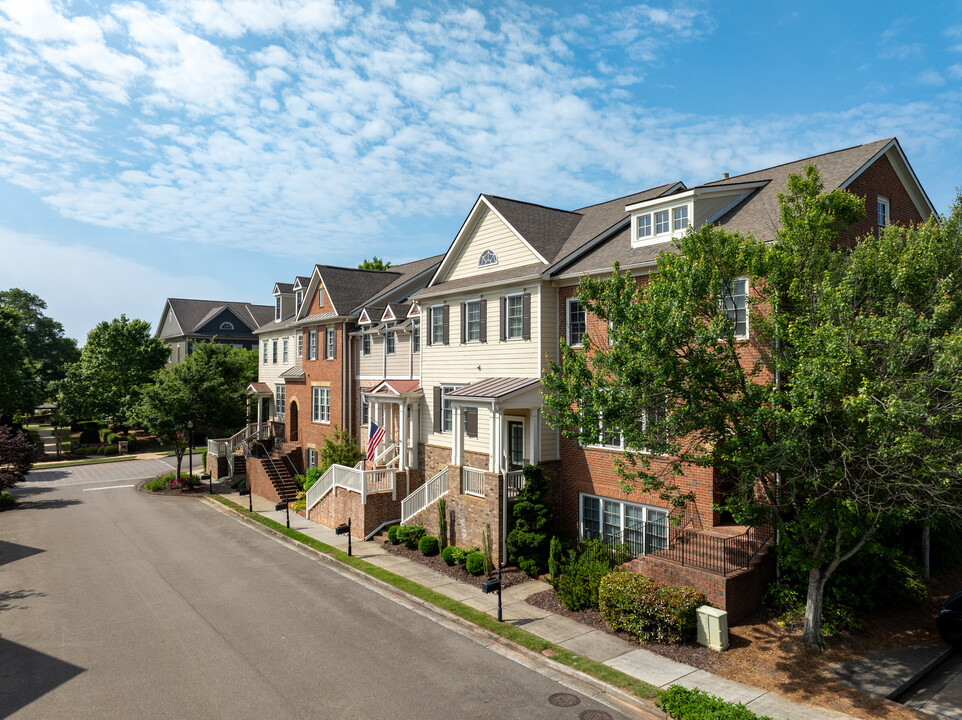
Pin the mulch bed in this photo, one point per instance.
(510, 576)
(690, 654)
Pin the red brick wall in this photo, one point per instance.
(340, 504)
(258, 481)
(326, 371)
(880, 178)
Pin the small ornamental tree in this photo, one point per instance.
(340, 448)
(16, 456)
(528, 541)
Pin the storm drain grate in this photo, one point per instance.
(564, 700)
(595, 715)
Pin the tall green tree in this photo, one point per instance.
(119, 358)
(50, 351)
(207, 388)
(374, 263)
(18, 386)
(839, 413)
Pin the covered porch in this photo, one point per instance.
(395, 405)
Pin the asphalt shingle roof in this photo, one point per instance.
(191, 314)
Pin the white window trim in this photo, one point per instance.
(300, 345)
(277, 308)
(659, 237)
(434, 314)
(263, 356)
(365, 344)
(507, 315)
(316, 405)
(882, 200)
(481, 262)
(568, 303)
(467, 332)
(312, 345)
(274, 352)
(365, 410)
(280, 401)
(601, 509)
(330, 343)
(416, 337)
(226, 326)
(284, 351)
(748, 314)
(390, 341)
(445, 389)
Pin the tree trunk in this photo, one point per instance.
(180, 460)
(812, 634)
(926, 544)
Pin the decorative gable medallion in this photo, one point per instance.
(488, 257)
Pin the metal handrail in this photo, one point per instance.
(425, 495)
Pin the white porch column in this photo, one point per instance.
(499, 441)
(492, 441)
(402, 463)
(457, 444)
(534, 436)
(415, 433)
(260, 410)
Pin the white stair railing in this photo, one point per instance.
(388, 456)
(515, 481)
(424, 495)
(472, 481)
(363, 482)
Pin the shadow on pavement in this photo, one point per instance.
(7, 598)
(46, 504)
(11, 552)
(28, 674)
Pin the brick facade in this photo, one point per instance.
(877, 179)
(340, 504)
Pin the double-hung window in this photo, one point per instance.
(321, 404)
(679, 218)
(300, 344)
(284, 351)
(644, 529)
(472, 328)
(576, 322)
(280, 401)
(274, 351)
(330, 338)
(311, 457)
(643, 227)
(277, 308)
(661, 222)
(265, 352)
(312, 346)
(416, 337)
(734, 301)
(390, 337)
(365, 412)
(447, 411)
(514, 317)
(437, 324)
(365, 344)
(883, 213)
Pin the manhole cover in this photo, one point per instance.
(564, 700)
(595, 715)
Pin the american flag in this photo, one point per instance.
(375, 436)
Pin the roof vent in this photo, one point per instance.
(724, 176)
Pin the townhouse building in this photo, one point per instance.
(185, 322)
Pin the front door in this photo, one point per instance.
(292, 423)
(515, 445)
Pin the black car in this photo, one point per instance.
(949, 621)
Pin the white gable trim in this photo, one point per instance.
(466, 227)
(906, 174)
(415, 311)
(316, 280)
(388, 314)
(364, 318)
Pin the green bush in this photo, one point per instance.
(528, 540)
(448, 554)
(310, 476)
(110, 449)
(158, 483)
(89, 435)
(474, 563)
(392, 534)
(410, 535)
(7, 500)
(577, 586)
(300, 502)
(428, 545)
(132, 443)
(442, 523)
(650, 611)
(555, 555)
(684, 704)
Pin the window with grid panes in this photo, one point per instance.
(577, 322)
(514, 309)
(437, 325)
(472, 330)
(734, 300)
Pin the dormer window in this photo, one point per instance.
(679, 218)
(298, 299)
(488, 258)
(657, 226)
(277, 308)
(644, 227)
(226, 326)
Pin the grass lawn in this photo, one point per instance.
(517, 635)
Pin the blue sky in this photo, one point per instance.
(209, 148)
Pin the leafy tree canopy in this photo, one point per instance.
(48, 349)
(19, 391)
(375, 263)
(840, 413)
(119, 358)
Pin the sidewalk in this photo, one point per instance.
(578, 638)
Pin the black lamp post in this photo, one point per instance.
(190, 461)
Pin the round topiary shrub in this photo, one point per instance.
(7, 500)
(474, 563)
(392, 534)
(448, 554)
(110, 449)
(428, 545)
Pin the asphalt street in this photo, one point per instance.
(116, 604)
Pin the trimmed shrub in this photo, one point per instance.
(309, 477)
(448, 554)
(300, 502)
(577, 585)
(156, 484)
(528, 541)
(410, 535)
(89, 435)
(443, 523)
(110, 449)
(555, 555)
(7, 500)
(428, 545)
(684, 704)
(648, 610)
(392, 534)
(474, 563)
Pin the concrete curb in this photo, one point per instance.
(647, 707)
(920, 673)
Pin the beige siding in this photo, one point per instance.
(489, 233)
(170, 327)
(371, 365)
(399, 364)
(708, 207)
(548, 300)
(550, 443)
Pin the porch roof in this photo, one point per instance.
(394, 387)
(495, 388)
(259, 389)
(293, 373)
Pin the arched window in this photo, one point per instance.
(488, 258)
(226, 326)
